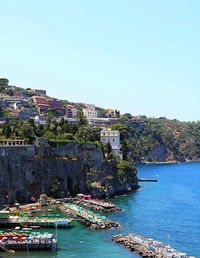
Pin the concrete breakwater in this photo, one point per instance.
(97, 205)
(147, 180)
(147, 247)
(88, 217)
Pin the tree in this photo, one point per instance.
(123, 129)
(62, 122)
(127, 115)
(39, 131)
(1, 112)
(27, 131)
(88, 134)
(54, 189)
(108, 148)
(82, 120)
(124, 149)
(7, 131)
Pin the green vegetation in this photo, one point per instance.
(54, 189)
(123, 168)
(179, 140)
(55, 132)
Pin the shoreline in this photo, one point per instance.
(168, 162)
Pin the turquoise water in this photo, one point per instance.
(167, 211)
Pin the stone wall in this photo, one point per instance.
(13, 151)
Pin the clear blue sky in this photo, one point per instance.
(140, 56)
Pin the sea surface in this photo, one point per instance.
(168, 210)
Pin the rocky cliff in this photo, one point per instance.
(72, 168)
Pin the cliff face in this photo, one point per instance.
(159, 154)
(26, 172)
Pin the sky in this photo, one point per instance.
(139, 56)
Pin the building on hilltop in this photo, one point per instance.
(39, 100)
(90, 113)
(113, 113)
(112, 137)
(90, 106)
(40, 92)
(102, 121)
(71, 111)
(44, 104)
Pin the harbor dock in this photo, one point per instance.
(24, 242)
(14, 221)
(95, 204)
(88, 217)
(147, 247)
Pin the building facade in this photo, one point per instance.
(71, 111)
(112, 137)
(89, 113)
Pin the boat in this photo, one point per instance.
(31, 211)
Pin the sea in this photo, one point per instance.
(168, 211)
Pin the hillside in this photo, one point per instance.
(30, 114)
(160, 139)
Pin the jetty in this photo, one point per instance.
(14, 221)
(88, 217)
(147, 180)
(147, 247)
(95, 204)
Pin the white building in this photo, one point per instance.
(90, 113)
(113, 137)
(90, 106)
(41, 120)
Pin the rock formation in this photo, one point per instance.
(28, 171)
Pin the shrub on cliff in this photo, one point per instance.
(54, 188)
(125, 169)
